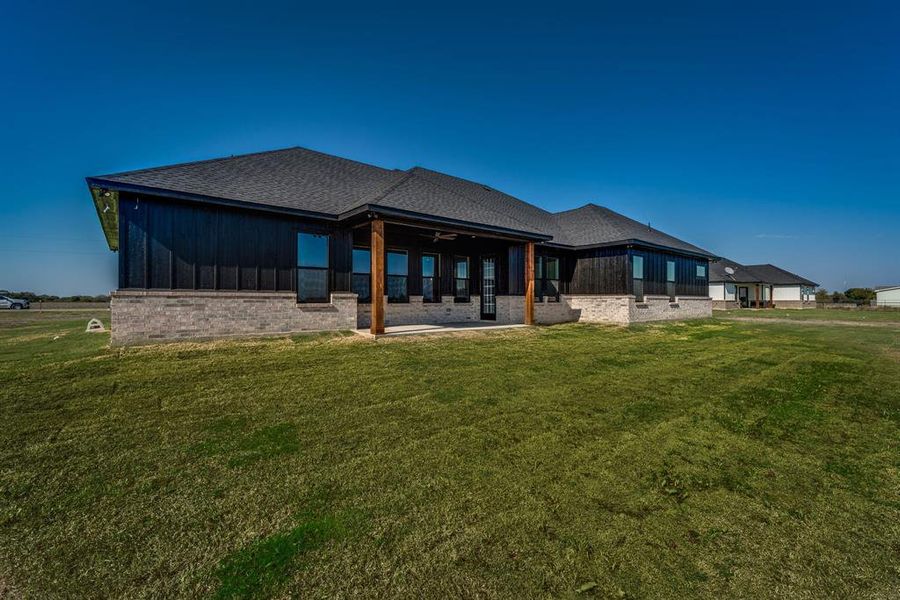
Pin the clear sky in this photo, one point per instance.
(763, 133)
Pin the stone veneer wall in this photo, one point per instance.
(147, 316)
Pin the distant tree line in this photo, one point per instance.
(851, 296)
(32, 297)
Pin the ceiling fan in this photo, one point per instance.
(438, 236)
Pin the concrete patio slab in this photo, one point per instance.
(428, 329)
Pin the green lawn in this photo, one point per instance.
(817, 314)
(709, 459)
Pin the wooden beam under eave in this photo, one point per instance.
(529, 283)
(377, 283)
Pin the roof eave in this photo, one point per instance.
(97, 182)
(445, 221)
(636, 242)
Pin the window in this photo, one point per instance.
(637, 277)
(361, 283)
(461, 279)
(431, 289)
(312, 267)
(670, 280)
(701, 270)
(397, 272)
(546, 278)
(637, 267)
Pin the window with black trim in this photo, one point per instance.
(397, 274)
(701, 271)
(361, 283)
(546, 278)
(670, 279)
(312, 267)
(637, 276)
(461, 279)
(431, 287)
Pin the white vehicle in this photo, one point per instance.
(13, 303)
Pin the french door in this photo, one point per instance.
(489, 288)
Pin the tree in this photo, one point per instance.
(822, 295)
(860, 295)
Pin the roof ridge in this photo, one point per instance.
(244, 155)
(353, 160)
(484, 185)
(582, 207)
(411, 175)
(407, 175)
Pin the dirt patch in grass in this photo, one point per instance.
(820, 322)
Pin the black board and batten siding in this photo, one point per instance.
(686, 281)
(609, 271)
(171, 245)
(598, 271)
(168, 244)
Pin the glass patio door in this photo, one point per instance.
(488, 288)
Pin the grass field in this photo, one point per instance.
(817, 314)
(702, 460)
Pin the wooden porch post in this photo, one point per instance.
(377, 283)
(529, 283)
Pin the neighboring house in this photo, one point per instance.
(296, 240)
(887, 295)
(733, 285)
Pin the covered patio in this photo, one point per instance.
(415, 276)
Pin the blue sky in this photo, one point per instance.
(762, 132)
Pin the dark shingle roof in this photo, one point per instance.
(419, 195)
(593, 225)
(778, 276)
(768, 274)
(304, 180)
(741, 274)
(293, 178)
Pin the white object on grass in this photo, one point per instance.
(94, 326)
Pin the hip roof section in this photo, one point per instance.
(310, 182)
(765, 273)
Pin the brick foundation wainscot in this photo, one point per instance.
(417, 312)
(624, 309)
(141, 317)
(620, 310)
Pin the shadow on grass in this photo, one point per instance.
(257, 570)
